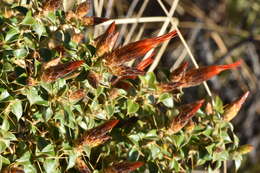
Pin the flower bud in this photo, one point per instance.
(233, 108)
(244, 149)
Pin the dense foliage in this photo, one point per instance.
(68, 102)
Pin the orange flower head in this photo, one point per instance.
(135, 50)
(51, 5)
(90, 21)
(82, 9)
(195, 76)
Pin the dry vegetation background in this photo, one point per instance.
(217, 32)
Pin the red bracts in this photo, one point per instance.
(54, 72)
(186, 113)
(179, 72)
(180, 78)
(132, 72)
(115, 60)
(195, 76)
(135, 50)
(105, 43)
(96, 136)
(123, 167)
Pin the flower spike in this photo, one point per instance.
(233, 108)
(90, 21)
(179, 72)
(145, 63)
(51, 5)
(54, 72)
(186, 113)
(82, 9)
(125, 72)
(123, 167)
(195, 76)
(106, 41)
(81, 166)
(96, 136)
(135, 50)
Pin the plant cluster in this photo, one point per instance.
(70, 103)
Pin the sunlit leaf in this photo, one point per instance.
(166, 99)
(20, 53)
(24, 158)
(29, 20)
(132, 107)
(17, 108)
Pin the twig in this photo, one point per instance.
(123, 28)
(139, 14)
(139, 20)
(183, 54)
(162, 31)
(109, 8)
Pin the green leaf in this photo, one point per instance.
(72, 159)
(28, 20)
(34, 98)
(208, 131)
(135, 138)
(4, 94)
(20, 53)
(52, 17)
(209, 148)
(39, 29)
(4, 161)
(17, 108)
(178, 139)
(3, 146)
(48, 114)
(166, 99)
(48, 150)
(218, 105)
(29, 168)
(155, 151)
(110, 109)
(223, 155)
(50, 165)
(10, 34)
(224, 136)
(5, 125)
(152, 134)
(238, 162)
(174, 165)
(87, 150)
(25, 158)
(132, 107)
(149, 80)
(8, 136)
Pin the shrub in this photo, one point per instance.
(69, 103)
